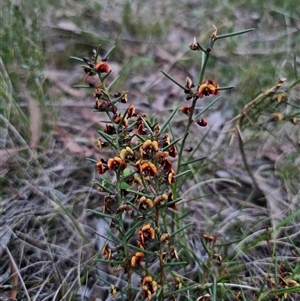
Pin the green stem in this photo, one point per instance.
(205, 57)
(160, 256)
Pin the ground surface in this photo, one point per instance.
(47, 236)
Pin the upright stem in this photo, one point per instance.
(204, 59)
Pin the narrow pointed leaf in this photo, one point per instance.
(193, 161)
(173, 80)
(113, 82)
(107, 138)
(171, 144)
(226, 88)
(168, 120)
(76, 58)
(83, 86)
(104, 188)
(181, 229)
(101, 214)
(207, 107)
(182, 174)
(226, 35)
(109, 51)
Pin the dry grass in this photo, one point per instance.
(48, 238)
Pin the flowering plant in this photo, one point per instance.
(141, 193)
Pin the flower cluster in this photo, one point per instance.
(142, 149)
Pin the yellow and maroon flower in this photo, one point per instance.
(208, 87)
(131, 111)
(173, 253)
(109, 129)
(124, 98)
(102, 67)
(141, 129)
(172, 151)
(165, 238)
(171, 178)
(146, 233)
(178, 283)
(170, 199)
(106, 252)
(148, 148)
(145, 203)
(127, 154)
(164, 162)
(164, 142)
(113, 291)
(101, 144)
(146, 168)
(118, 118)
(137, 258)
(160, 199)
(116, 163)
(98, 93)
(149, 286)
(124, 208)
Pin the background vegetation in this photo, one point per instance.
(48, 238)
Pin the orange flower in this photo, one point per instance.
(141, 129)
(116, 163)
(172, 151)
(148, 148)
(186, 110)
(208, 87)
(127, 154)
(123, 208)
(171, 178)
(164, 142)
(146, 233)
(147, 168)
(170, 199)
(106, 252)
(118, 118)
(145, 204)
(101, 144)
(165, 163)
(137, 259)
(102, 67)
(101, 169)
(124, 98)
(165, 238)
(160, 200)
(149, 287)
(131, 111)
(173, 253)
